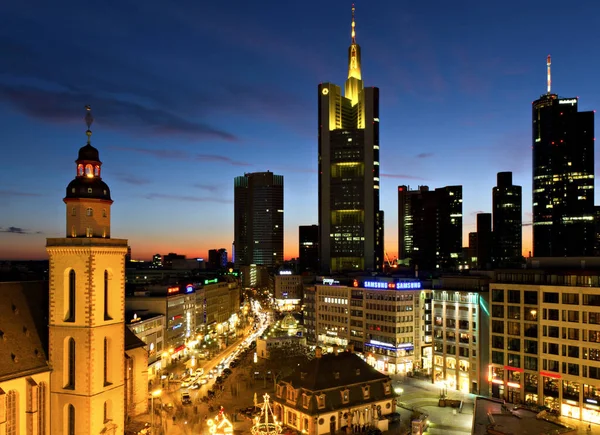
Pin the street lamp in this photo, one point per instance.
(154, 394)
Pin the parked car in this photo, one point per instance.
(186, 399)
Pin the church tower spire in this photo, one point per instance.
(86, 313)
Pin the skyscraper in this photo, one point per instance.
(309, 248)
(508, 221)
(349, 215)
(563, 177)
(430, 227)
(258, 219)
(484, 240)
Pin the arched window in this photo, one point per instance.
(106, 300)
(71, 420)
(73, 231)
(80, 170)
(42, 391)
(97, 171)
(12, 414)
(70, 302)
(106, 362)
(89, 232)
(89, 171)
(70, 364)
(103, 212)
(73, 211)
(89, 212)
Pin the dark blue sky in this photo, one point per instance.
(187, 95)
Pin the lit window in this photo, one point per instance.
(366, 392)
(321, 401)
(305, 401)
(89, 232)
(345, 395)
(89, 212)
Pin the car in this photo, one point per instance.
(211, 376)
(203, 381)
(186, 384)
(199, 371)
(219, 380)
(194, 386)
(186, 399)
(227, 372)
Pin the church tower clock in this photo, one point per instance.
(87, 295)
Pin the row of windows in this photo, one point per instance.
(88, 212)
(36, 407)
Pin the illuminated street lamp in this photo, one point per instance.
(154, 394)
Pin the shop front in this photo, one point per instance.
(570, 409)
(590, 413)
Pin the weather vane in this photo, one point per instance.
(89, 119)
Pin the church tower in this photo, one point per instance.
(86, 322)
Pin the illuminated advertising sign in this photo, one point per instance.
(402, 285)
(569, 101)
(189, 288)
(172, 290)
(211, 281)
(330, 281)
(285, 272)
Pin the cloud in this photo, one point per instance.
(182, 155)
(424, 155)
(208, 187)
(18, 230)
(132, 179)
(67, 106)
(401, 176)
(187, 198)
(7, 193)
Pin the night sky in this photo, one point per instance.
(188, 95)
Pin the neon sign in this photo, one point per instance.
(285, 272)
(189, 288)
(211, 281)
(402, 285)
(570, 101)
(172, 290)
(330, 281)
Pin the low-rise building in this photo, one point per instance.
(285, 333)
(461, 332)
(150, 328)
(332, 392)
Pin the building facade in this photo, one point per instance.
(288, 291)
(150, 328)
(545, 340)
(333, 392)
(507, 218)
(258, 219)
(461, 333)
(308, 248)
(349, 172)
(563, 177)
(485, 240)
(380, 317)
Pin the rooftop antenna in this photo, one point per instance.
(353, 25)
(548, 63)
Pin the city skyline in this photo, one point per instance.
(173, 134)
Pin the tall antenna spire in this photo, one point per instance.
(548, 63)
(89, 119)
(353, 25)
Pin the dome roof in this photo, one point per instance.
(288, 322)
(93, 188)
(88, 152)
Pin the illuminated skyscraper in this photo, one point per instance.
(351, 237)
(508, 221)
(308, 248)
(563, 177)
(258, 219)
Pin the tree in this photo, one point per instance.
(283, 360)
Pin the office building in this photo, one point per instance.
(461, 333)
(484, 241)
(150, 328)
(545, 337)
(217, 258)
(309, 248)
(258, 219)
(507, 218)
(288, 291)
(349, 172)
(563, 177)
(430, 227)
(382, 318)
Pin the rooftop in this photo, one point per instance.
(488, 414)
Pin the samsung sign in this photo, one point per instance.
(402, 285)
